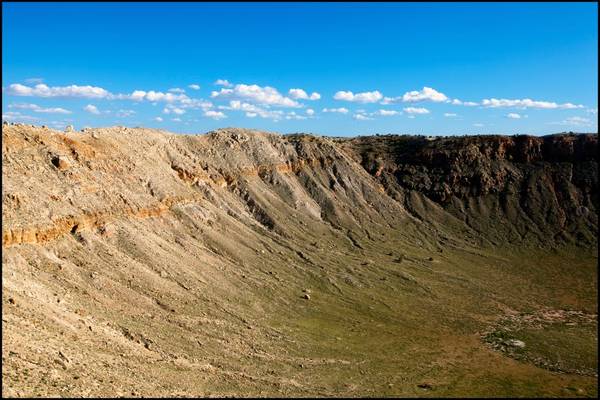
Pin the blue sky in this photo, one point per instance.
(331, 69)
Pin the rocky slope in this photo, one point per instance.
(238, 262)
(508, 189)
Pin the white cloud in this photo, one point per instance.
(578, 120)
(364, 97)
(176, 119)
(158, 119)
(42, 90)
(223, 82)
(195, 104)
(297, 94)
(390, 100)
(261, 95)
(592, 110)
(450, 115)
(194, 86)
(310, 111)
(36, 108)
(426, 93)
(139, 95)
(293, 115)
(216, 115)
(478, 125)
(458, 102)
(526, 103)
(575, 121)
(386, 113)
(340, 110)
(170, 108)
(92, 109)
(301, 94)
(416, 110)
(59, 124)
(176, 90)
(513, 116)
(253, 110)
(124, 113)
(17, 116)
(361, 117)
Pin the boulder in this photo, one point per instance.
(61, 162)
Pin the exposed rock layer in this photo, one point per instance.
(509, 189)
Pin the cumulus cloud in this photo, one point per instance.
(194, 86)
(17, 116)
(92, 109)
(592, 110)
(124, 113)
(252, 110)
(526, 103)
(575, 121)
(170, 108)
(59, 124)
(139, 95)
(386, 113)
(458, 102)
(42, 90)
(261, 95)
(216, 115)
(158, 119)
(195, 104)
(310, 111)
(176, 119)
(450, 115)
(478, 125)
(36, 108)
(293, 115)
(390, 100)
(513, 116)
(364, 97)
(426, 94)
(300, 94)
(416, 110)
(176, 90)
(578, 120)
(361, 117)
(340, 110)
(223, 82)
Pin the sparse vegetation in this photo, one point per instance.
(252, 275)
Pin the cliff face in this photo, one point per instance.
(509, 189)
(542, 190)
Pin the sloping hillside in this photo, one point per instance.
(144, 263)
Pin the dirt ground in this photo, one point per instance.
(239, 263)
